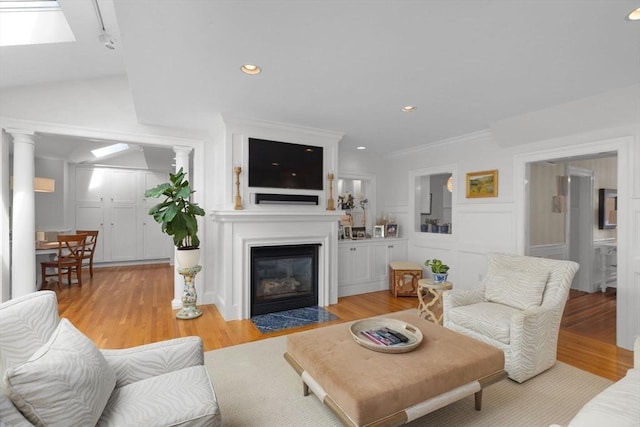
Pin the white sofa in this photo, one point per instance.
(54, 375)
(618, 405)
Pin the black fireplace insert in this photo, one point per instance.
(283, 277)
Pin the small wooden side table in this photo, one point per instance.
(403, 278)
(189, 297)
(426, 287)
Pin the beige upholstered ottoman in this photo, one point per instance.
(368, 388)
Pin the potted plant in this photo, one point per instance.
(177, 216)
(433, 225)
(438, 269)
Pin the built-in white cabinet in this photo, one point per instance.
(156, 244)
(112, 201)
(354, 263)
(363, 264)
(385, 253)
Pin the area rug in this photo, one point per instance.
(273, 322)
(255, 386)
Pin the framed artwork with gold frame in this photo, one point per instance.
(482, 184)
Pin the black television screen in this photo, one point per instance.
(283, 165)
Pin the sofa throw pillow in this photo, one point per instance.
(516, 289)
(66, 382)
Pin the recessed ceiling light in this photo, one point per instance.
(250, 69)
(361, 147)
(409, 108)
(634, 15)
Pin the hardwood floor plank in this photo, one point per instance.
(127, 306)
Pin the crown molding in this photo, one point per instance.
(480, 136)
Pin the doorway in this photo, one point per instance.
(563, 203)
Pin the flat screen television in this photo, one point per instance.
(275, 164)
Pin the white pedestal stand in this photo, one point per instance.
(189, 297)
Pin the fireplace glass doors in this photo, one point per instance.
(283, 278)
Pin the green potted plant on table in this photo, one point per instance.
(177, 216)
(438, 269)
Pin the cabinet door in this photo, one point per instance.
(361, 260)
(156, 243)
(397, 251)
(90, 184)
(345, 267)
(380, 260)
(91, 217)
(385, 253)
(152, 179)
(124, 187)
(123, 233)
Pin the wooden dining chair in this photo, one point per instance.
(69, 260)
(89, 248)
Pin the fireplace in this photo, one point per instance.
(283, 277)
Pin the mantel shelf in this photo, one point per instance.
(274, 216)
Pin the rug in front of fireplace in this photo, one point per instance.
(272, 322)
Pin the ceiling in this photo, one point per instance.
(349, 65)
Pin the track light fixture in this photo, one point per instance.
(104, 37)
(107, 40)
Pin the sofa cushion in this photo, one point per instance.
(66, 382)
(617, 405)
(180, 398)
(517, 289)
(474, 317)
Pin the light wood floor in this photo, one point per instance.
(127, 306)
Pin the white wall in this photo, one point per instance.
(5, 253)
(50, 207)
(493, 224)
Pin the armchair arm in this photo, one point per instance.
(534, 340)
(145, 361)
(10, 415)
(457, 298)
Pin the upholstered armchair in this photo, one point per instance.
(54, 375)
(518, 310)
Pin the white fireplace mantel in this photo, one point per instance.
(236, 232)
(293, 216)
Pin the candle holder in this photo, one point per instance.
(330, 205)
(236, 171)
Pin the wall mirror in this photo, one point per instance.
(607, 208)
(432, 203)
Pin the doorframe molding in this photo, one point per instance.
(626, 318)
(584, 230)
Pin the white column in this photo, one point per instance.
(182, 161)
(23, 247)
